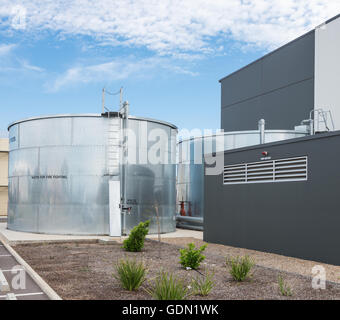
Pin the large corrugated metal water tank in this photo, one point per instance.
(59, 176)
(190, 179)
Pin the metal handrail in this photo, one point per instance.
(324, 115)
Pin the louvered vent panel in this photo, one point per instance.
(291, 169)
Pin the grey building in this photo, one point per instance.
(281, 197)
(285, 85)
(288, 204)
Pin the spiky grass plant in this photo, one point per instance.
(284, 288)
(168, 287)
(240, 267)
(203, 284)
(130, 273)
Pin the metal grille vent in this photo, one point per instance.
(280, 170)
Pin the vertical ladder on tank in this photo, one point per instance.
(113, 146)
(116, 153)
(113, 153)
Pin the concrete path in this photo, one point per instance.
(14, 237)
(180, 233)
(15, 282)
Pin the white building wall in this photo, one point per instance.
(327, 69)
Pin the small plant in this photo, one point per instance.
(191, 257)
(202, 285)
(239, 267)
(168, 287)
(130, 273)
(84, 269)
(135, 241)
(284, 288)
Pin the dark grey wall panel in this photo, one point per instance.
(278, 87)
(299, 219)
(282, 109)
(242, 116)
(290, 64)
(242, 85)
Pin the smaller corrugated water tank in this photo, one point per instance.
(190, 176)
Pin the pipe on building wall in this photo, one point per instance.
(189, 227)
(193, 223)
(261, 126)
(194, 220)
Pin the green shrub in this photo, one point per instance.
(131, 274)
(168, 287)
(284, 288)
(202, 285)
(192, 257)
(135, 241)
(239, 267)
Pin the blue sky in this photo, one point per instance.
(55, 56)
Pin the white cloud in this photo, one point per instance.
(9, 63)
(5, 49)
(173, 26)
(25, 65)
(117, 69)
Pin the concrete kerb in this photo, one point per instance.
(83, 241)
(38, 280)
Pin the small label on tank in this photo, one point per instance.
(132, 201)
(50, 177)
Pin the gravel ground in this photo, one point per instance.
(269, 260)
(84, 271)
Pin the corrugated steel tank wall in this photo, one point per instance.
(58, 181)
(190, 180)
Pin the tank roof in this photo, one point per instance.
(87, 115)
(226, 133)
